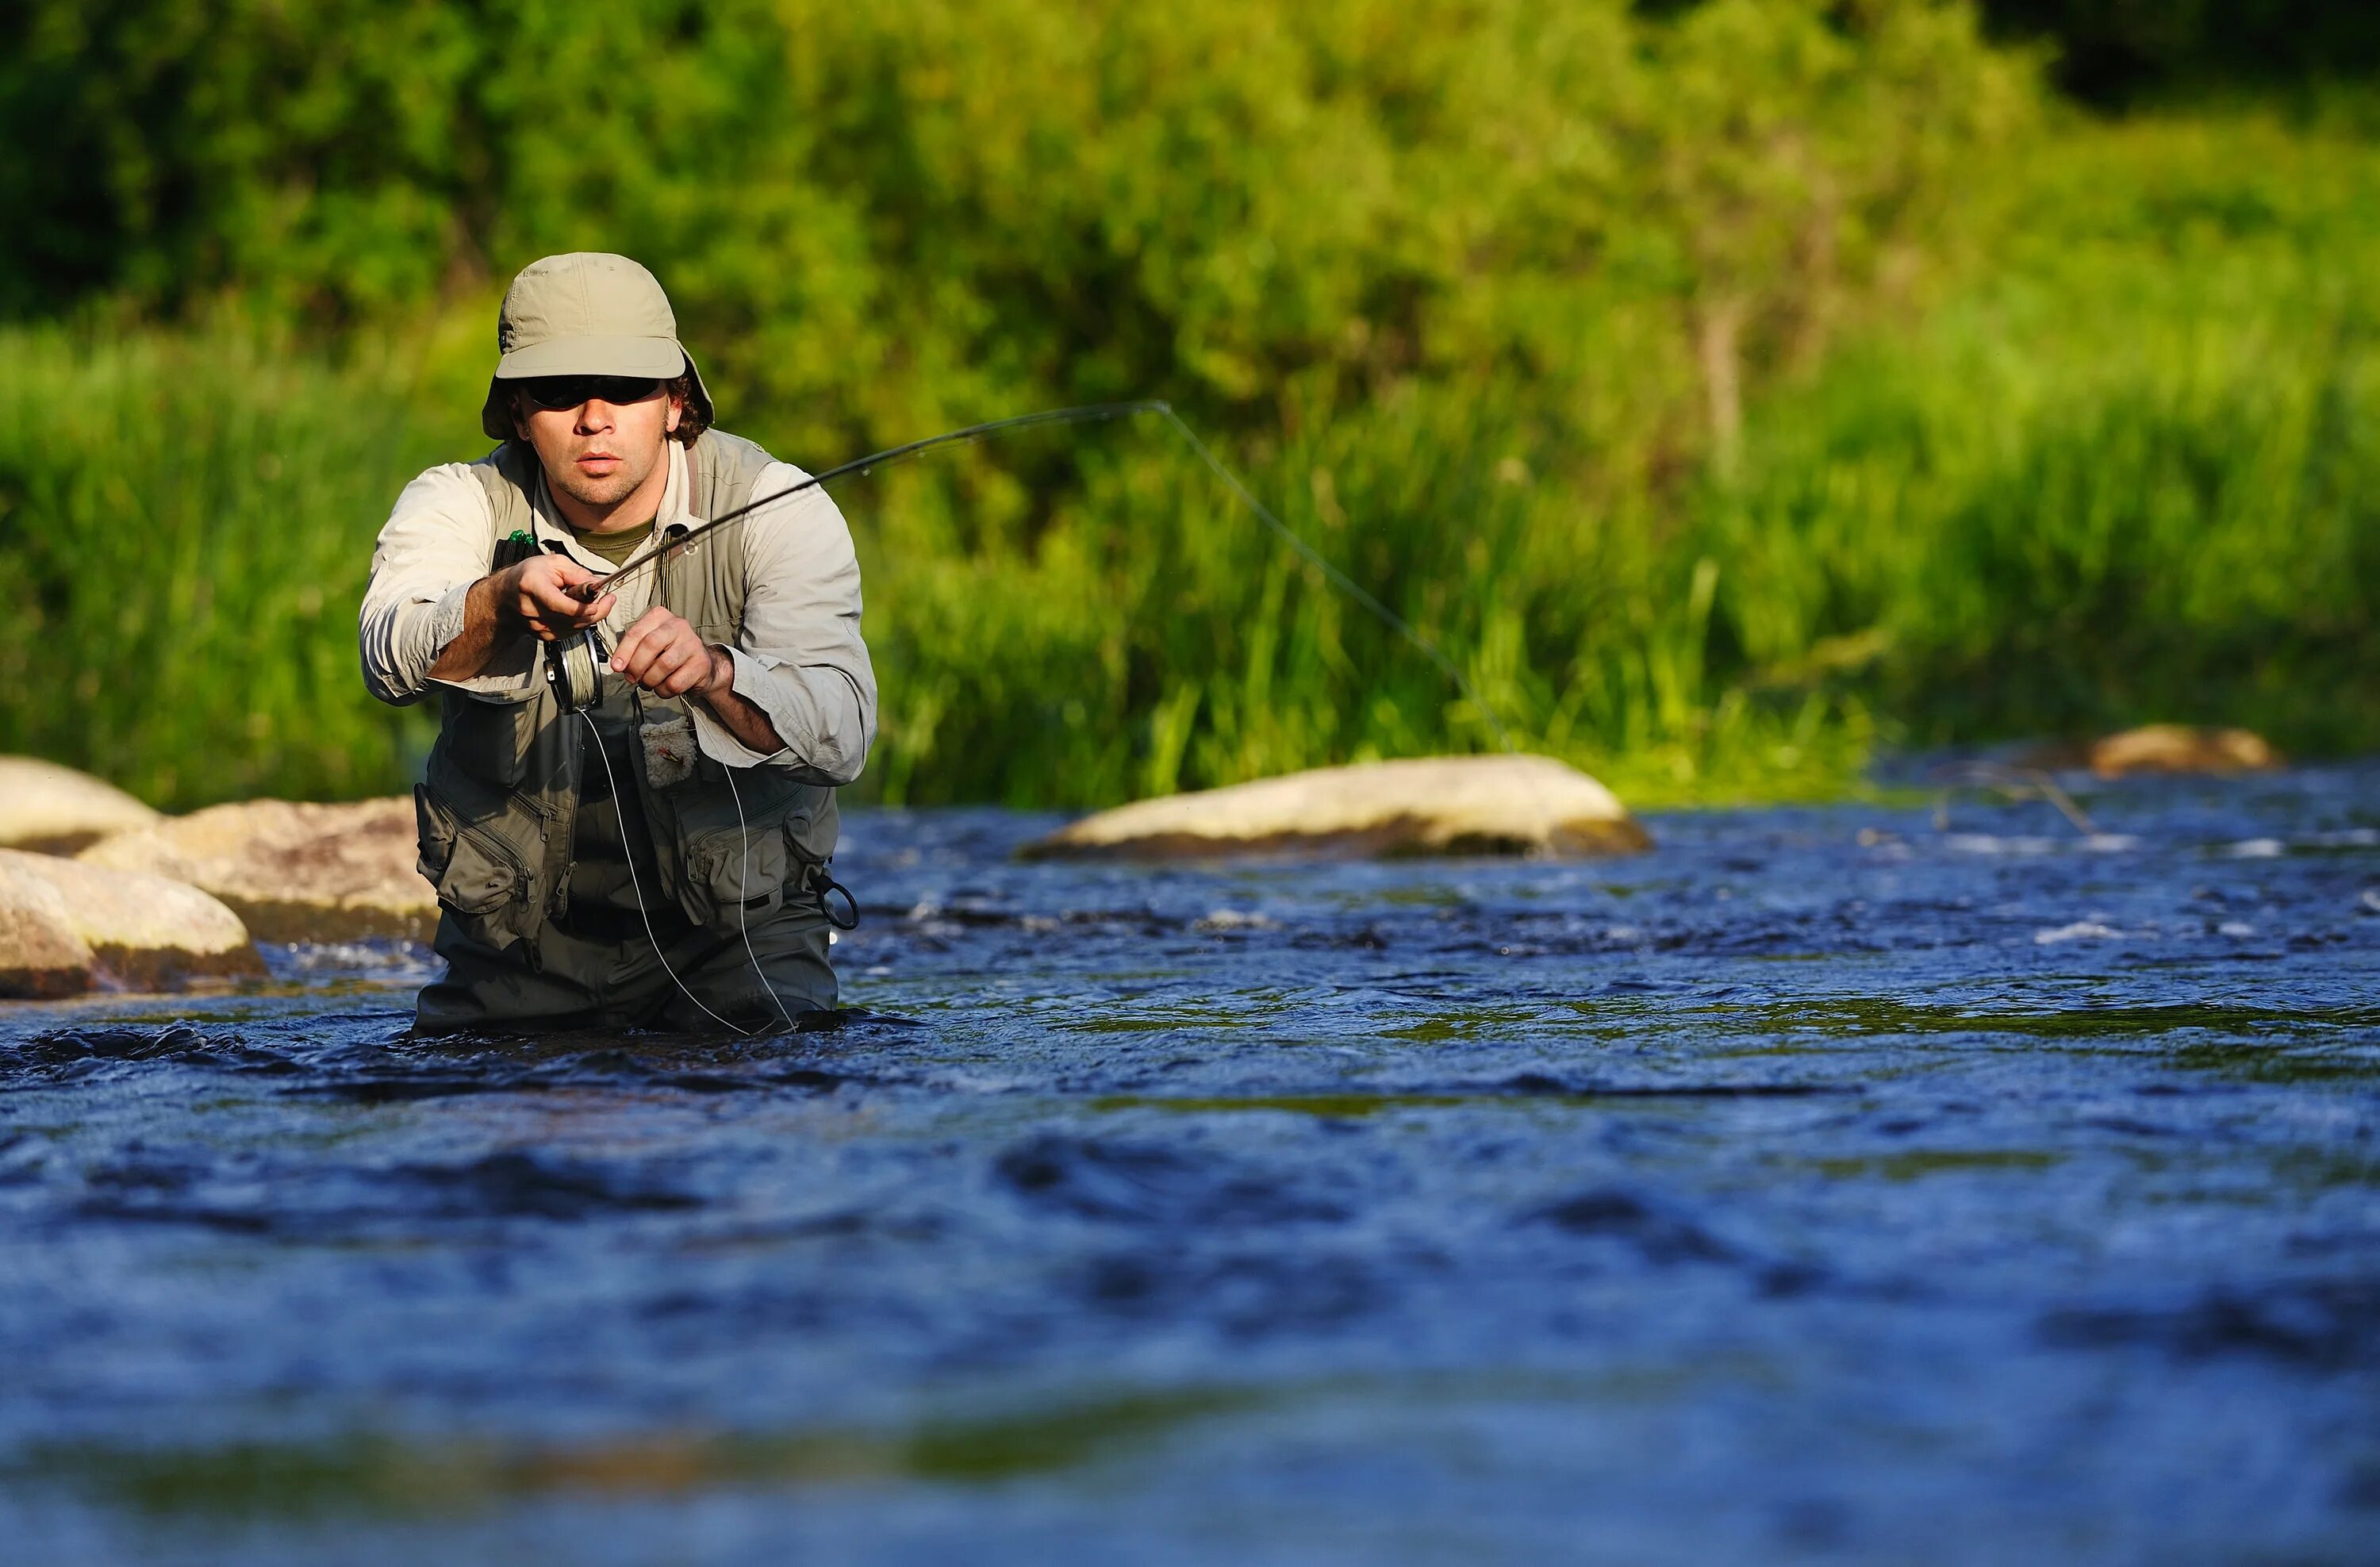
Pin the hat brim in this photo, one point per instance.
(660, 357)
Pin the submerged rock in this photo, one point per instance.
(2178, 748)
(56, 810)
(142, 932)
(294, 872)
(1512, 805)
(41, 956)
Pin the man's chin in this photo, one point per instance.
(609, 491)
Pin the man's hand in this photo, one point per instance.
(540, 594)
(663, 654)
(551, 595)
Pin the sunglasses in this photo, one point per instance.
(555, 392)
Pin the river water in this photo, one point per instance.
(1828, 1184)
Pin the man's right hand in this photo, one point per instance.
(549, 595)
(540, 594)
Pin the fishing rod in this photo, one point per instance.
(575, 665)
(589, 592)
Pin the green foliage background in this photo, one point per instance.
(1727, 389)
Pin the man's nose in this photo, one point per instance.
(595, 416)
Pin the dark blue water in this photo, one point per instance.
(1824, 1184)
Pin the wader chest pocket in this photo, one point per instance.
(722, 873)
(473, 872)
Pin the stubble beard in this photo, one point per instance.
(600, 493)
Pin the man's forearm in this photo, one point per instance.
(738, 715)
(483, 628)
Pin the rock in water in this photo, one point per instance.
(294, 872)
(56, 810)
(1512, 805)
(2177, 747)
(41, 956)
(143, 932)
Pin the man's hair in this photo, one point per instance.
(690, 423)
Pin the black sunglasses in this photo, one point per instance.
(554, 392)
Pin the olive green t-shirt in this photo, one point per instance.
(614, 547)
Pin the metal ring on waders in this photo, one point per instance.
(823, 886)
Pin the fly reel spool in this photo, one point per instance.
(575, 667)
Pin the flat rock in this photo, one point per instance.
(2178, 748)
(139, 932)
(294, 872)
(41, 956)
(56, 810)
(1510, 804)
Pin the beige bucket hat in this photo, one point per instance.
(585, 313)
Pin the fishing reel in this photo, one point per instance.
(576, 667)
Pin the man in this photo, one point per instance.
(659, 859)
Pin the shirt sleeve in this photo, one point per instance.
(432, 549)
(799, 657)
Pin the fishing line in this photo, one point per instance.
(1084, 414)
(575, 665)
(743, 908)
(636, 886)
(1337, 577)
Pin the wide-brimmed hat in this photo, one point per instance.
(585, 313)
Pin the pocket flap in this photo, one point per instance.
(473, 872)
(733, 867)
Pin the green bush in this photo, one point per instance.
(1723, 395)
(885, 218)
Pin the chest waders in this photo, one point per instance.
(537, 847)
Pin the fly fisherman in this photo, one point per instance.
(736, 695)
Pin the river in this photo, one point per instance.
(1829, 1183)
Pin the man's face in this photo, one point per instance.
(599, 453)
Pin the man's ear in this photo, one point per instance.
(520, 420)
(676, 412)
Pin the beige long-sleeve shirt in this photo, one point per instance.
(799, 657)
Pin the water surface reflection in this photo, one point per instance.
(1821, 1183)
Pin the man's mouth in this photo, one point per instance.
(599, 462)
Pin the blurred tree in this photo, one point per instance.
(885, 218)
(2116, 51)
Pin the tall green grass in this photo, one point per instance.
(2130, 471)
(2125, 468)
(186, 527)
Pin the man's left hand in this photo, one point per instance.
(662, 653)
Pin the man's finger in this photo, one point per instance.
(658, 661)
(549, 598)
(631, 640)
(636, 664)
(685, 677)
(692, 672)
(684, 659)
(648, 625)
